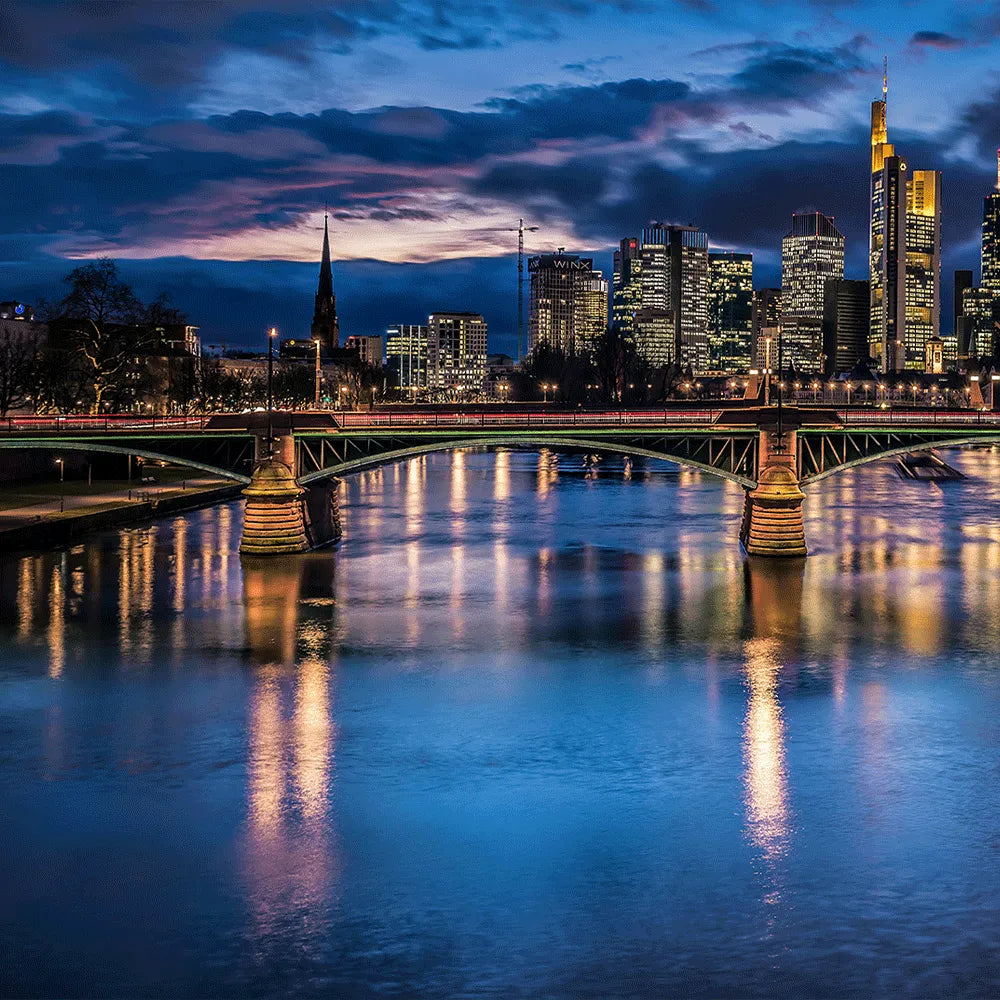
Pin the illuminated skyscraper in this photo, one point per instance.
(672, 321)
(846, 315)
(627, 286)
(981, 315)
(923, 265)
(730, 295)
(991, 238)
(568, 304)
(765, 320)
(887, 244)
(810, 254)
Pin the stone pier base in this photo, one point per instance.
(772, 515)
(273, 523)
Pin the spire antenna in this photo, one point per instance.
(885, 77)
(998, 169)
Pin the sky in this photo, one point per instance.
(198, 144)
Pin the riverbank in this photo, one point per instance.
(31, 525)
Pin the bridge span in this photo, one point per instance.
(291, 462)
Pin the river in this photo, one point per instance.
(534, 729)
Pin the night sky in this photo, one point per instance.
(197, 143)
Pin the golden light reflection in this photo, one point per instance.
(766, 781)
(56, 634)
(291, 862)
(25, 597)
(457, 490)
(547, 473)
(501, 475)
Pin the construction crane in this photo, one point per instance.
(520, 229)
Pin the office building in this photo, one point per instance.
(730, 307)
(626, 286)
(812, 252)
(980, 315)
(568, 302)
(369, 349)
(963, 280)
(671, 324)
(923, 265)
(765, 322)
(325, 325)
(456, 352)
(846, 319)
(991, 239)
(406, 354)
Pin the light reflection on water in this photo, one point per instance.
(536, 727)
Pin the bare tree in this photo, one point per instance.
(19, 351)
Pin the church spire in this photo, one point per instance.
(325, 326)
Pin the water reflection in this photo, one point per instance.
(774, 595)
(291, 856)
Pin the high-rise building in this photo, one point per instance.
(568, 302)
(456, 351)
(765, 322)
(627, 286)
(923, 265)
(672, 323)
(846, 318)
(981, 315)
(812, 252)
(730, 300)
(887, 244)
(406, 354)
(963, 280)
(991, 238)
(325, 326)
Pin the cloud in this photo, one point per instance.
(936, 40)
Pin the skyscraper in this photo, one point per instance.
(627, 286)
(765, 321)
(887, 244)
(672, 322)
(991, 238)
(730, 295)
(456, 351)
(810, 254)
(846, 317)
(923, 265)
(325, 326)
(981, 313)
(963, 280)
(568, 303)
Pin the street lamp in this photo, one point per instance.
(767, 371)
(848, 386)
(916, 389)
(343, 389)
(316, 341)
(271, 335)
(62, 495)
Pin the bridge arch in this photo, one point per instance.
(521, 442)
(45, 444)
(916, 446)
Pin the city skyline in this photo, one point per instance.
(192, 174)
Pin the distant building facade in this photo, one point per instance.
(812, 252)
(765, 322)
(456, 351)
(626, 286)
(923, 265)
(406, 354)
(369, 348)
(730, 310)
(846, 319)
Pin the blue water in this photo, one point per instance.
(535, 729)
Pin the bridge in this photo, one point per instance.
(290, 462)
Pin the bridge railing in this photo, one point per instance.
(901, 417)
(111, 422)
(614, 418)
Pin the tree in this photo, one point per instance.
(107, 324)
(19, 355)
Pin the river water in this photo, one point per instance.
(535, 729)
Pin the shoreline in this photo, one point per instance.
(52, 531)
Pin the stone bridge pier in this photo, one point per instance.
(772, 511)
(282, 517)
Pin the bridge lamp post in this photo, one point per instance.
(341, 392)
(831, 386)
(848, 387)
(916, 389)
(316, 341)
(271, 335)
(866, 388)
(62, 495)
